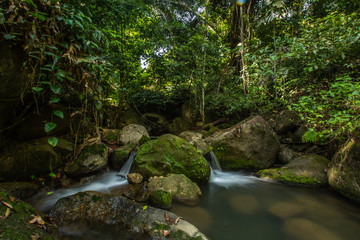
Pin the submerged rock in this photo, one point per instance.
(171, 154)
(16, 225)
(33, 158)
(308, 170)
(113, 209)
(92, 159)
(250, 144)
(344, 171)
(21, 190)
(182, 189)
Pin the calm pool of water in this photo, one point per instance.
(240, 206)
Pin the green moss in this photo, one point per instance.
(143, 140)
(161, 198)
(283, 175)
(96, 198)
(17, 226)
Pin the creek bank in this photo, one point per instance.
(118, 210)
(307, 170)
(17, 224)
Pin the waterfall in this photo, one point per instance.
(212, 159)
(124, 171)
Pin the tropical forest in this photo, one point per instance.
(180, 119)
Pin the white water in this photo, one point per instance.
(230, 179)
(103, 183)
(124, 171)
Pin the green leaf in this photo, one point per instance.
(53, 175)
(145, 207)
(59, 113)
(54, 100)
(37, 89)
(98, 105)
(55, 88)
(49, 126)
(53, 141)
(49, 193)
(31, 2)
(9, 36)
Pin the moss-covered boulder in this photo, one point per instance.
(33, 158)
(117, 210)
(344, 171)
(250, 144)
(307, 170)
(196, 139)
(111, 136)
(134, 134)
(21, 190)
(171, 154)
(181, 188)
(16, 225)
(121, 155)
(92, 159)
(161, 198)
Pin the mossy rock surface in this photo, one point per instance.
(182, 189)
(171, 154)
(250, 144)
(33, 158)
(17, 227)
(344, 171)
(117, 210)
(161, 198)
(306, 170)
(178, 125)
(121, 155)
(21, 190)
(92, 159)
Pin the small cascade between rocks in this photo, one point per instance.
(214, 162)
(124, 171)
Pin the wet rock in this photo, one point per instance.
(136, 192)
(196, 139)
(92, 159)
(344, 171)
(250, 144)
(182, 189)
(121, 155)
(113, 209)
(134, 178)
(134, 134)
(286, 154)
(171, 154)
(307, 170)
(21, 190)
(161, 198)
(287, 121)
(33, 158)
(303, 229)
(286, 210)
(244, 204)
(17, 226)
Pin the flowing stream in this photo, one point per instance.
(235, 205)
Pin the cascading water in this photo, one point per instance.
(124, 171)
(103, 183)
(214, 162)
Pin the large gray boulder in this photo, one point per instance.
(306, 170)
(181, 188)
(171, 154)
(344, 171)
(250, 144)
(92, 159)
(33, 158)
(132, 134)
(117, 210)
(196, 139)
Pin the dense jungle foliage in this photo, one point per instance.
(230, 57)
